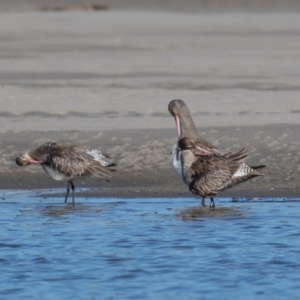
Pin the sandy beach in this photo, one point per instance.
(104, 79)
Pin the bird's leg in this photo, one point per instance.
(212, 203)
(203, 201)
(73, 188)
(68, 190)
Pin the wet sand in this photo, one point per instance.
(104, 79)
(144, 168)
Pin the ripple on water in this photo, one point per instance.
(148, 248)
(201, 212)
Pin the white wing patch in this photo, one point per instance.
(99, 156)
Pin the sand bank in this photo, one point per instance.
(104, 79)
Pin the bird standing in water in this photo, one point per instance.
(66, 162)
(206, 175)
(201, 165)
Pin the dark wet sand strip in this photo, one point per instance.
(143, 160)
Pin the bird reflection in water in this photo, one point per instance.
(202, 212)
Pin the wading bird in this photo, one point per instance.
(66, 162)
(208, 174)
(201, 165)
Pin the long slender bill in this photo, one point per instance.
(177, 122)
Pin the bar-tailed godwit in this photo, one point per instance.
(66, 162)
(201, 165)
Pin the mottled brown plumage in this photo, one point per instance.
(67, 162)
(206, 175)
(216, 171)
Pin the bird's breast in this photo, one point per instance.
(175, 157)
(53, 173)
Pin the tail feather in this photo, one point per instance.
(239, 179)
(112, 165)
(235, 159)
(256, 169)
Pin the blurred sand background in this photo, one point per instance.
(102, 74)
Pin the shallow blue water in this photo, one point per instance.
(148, 248)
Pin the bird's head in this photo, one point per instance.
(25, 159)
